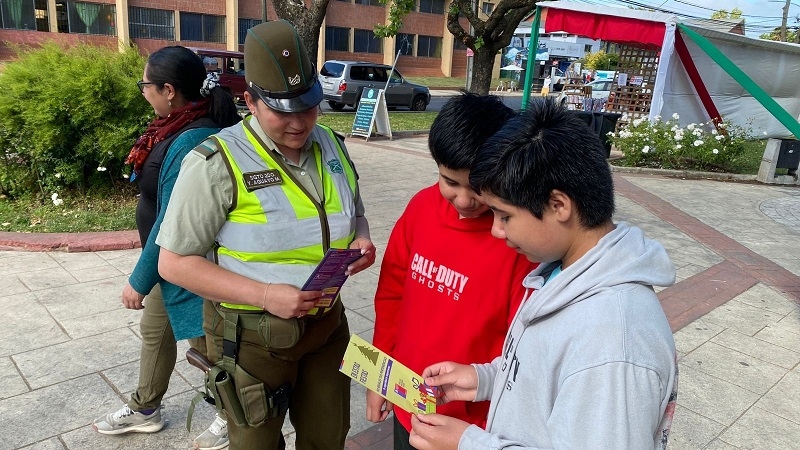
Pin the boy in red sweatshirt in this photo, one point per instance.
(447, 290)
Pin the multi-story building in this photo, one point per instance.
(426, 46)
(556, 50)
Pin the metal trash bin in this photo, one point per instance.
(601, 123)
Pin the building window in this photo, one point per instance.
(369, 2)
(151, 23)
(86, 18)
(24, 15)
(337, 38)
(431, 6)
(487, 8)
(244, 25)
(202, 27)
(404, 43)
(430, 46)
(364, 41)
(587, 48)
(458, 45)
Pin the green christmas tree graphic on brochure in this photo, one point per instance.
(370, 353)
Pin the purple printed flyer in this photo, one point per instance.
(329, 276)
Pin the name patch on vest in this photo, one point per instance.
(258, 180)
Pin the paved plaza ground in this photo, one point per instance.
(69, 350)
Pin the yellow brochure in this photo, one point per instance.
(380, 373)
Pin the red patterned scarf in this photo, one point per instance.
(162, 128)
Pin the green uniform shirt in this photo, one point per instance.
(203, 193)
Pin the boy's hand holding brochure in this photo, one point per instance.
(382, 374)
(455, 381)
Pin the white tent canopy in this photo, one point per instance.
(773, 66)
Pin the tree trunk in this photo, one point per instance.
(309, 34)
(482, 64)
(783, 20)
(307, 21)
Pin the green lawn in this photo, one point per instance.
(398, 121)
(87, 213)
(439, 82)
(753, 156)
(450, 82)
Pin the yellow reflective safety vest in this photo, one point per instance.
(275, 230)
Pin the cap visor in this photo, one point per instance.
(303, 102)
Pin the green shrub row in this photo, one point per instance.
(665, 144)
(68, 118)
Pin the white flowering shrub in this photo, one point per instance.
(664, 144)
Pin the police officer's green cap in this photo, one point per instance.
(278, 68)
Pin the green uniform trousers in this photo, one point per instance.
(158, 353)
(319, 403)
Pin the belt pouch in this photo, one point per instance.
(257, 401)
(280, 333)
(223, 385)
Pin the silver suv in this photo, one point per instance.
(343, 81)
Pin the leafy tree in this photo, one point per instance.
(306, 19)
(68, 118)
(488, 36)
(600, 60)
(775, 35)
(734, 14)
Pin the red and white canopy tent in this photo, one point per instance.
(702, 74)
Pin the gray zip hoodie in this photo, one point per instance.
(589, 361)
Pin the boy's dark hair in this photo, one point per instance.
(541, 149)
(463, 124)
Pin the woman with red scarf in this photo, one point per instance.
(189, 107)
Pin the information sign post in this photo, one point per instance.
(371, 114)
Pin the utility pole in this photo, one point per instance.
(470, 54)
(783, 21)
(796, 30)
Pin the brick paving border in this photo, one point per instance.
(741, 269)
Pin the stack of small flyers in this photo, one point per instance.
(329, 275)
(380, 373)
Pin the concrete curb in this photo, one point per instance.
(70, 242)
(688, 174)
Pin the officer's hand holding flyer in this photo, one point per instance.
(329, 276)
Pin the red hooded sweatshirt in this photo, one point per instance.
(448, 291)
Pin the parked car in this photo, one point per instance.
(343, 81)
(230, 66)
(600, 89)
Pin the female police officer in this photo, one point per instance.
(252, 213)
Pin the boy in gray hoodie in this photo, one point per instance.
(589, 361)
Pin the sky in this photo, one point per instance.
(760, 16)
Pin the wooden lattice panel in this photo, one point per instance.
(633, 100)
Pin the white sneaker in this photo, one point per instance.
(126, 420)
(214, 438)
